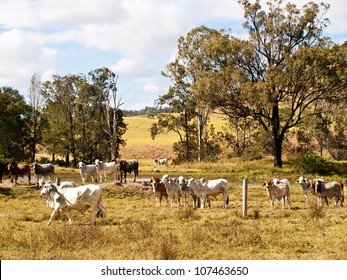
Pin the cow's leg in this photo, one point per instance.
(202, 201)
(52, 215)
(105, 178)
(289, 202)
(326, 200)
(94, 214)
(102, 209)
(68, 211)
(337, 199)
(29, 178)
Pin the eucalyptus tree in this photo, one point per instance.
(36, 102)
(60, 111)
(191, 59)
(105, 82)
(14, 125)
(279, 72)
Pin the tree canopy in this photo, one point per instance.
(279, 73)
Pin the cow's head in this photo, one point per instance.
(267, 183)
(300, 180)
(316, 185)
(190, 183)
(34, 165)
(40, 183)
(182, 182)
(12, 166)
(80, 165)
(165, 179)
(47, 188)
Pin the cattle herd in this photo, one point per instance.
(65, 195)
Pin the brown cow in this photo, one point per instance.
(279, 192)
(159, 190)
(18, 171)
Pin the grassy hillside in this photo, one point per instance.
(140, 145)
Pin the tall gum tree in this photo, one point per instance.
(278, 73)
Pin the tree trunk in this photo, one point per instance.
(277, 151)
(114, 150)
(200, 131)
(277, 137)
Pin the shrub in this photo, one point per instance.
(313, 164)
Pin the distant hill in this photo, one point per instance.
(140, 145)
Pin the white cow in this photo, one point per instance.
(106, 168)
(305, 186)
(204, 188)
(173, 189)
(161, 161)
(279, 192)
(80, 198)
(87, 170)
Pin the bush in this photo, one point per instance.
(313, 164)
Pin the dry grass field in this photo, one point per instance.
(135, 229)
(140, 145)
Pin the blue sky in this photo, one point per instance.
(134, 38)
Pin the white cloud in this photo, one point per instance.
(133, 66)
(23, 54)
(140, 36)
(152, 87)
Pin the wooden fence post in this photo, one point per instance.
(244, 197)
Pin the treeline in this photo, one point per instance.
(147, 111)
(284, 82)
(75, 116)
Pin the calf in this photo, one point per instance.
(305, 186)
(79, 198)
(327, 190)
(279, 192)
(128, 167)
(159, 190)
(204, 188)
(173, 189)
(16, 171)
(43, 170)
(87, 170)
